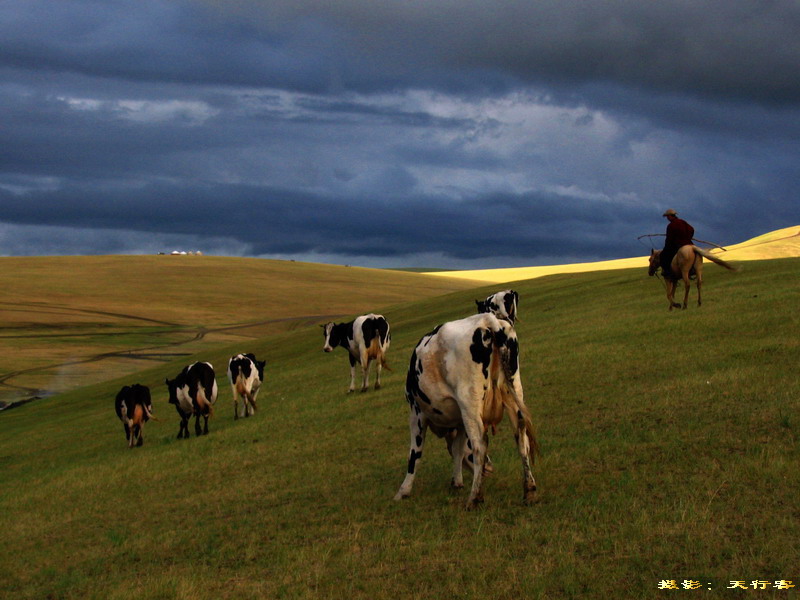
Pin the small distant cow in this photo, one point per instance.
(134, 408)
(193, 392)
(246, 375)
(366, 339)
(463, 376)
(503, 305)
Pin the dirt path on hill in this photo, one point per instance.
(159, 353)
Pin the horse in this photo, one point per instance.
(685, 259)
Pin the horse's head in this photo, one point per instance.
(655, 255)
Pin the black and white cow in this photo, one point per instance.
(134, 408)
(463, 376)
(503, 305)
(366, 339)
(193, 392)
(246, 375)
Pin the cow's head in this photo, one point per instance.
(503, 305)
(510, 299)
(329, 332)
(260, 364)
(172, 387)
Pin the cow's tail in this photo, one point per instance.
(149, 413)
(524, 421)
(204, 402)
(239, 384)
(386, 339)
(715, 259)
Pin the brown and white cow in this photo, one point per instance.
(193, 392)
(366, 339)
(134, 408)
(462, 378)
(503, 305)
(246, 375)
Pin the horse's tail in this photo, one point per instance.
(715, 259)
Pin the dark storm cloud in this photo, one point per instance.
(726, 48)
(376, 131)
(272, 221)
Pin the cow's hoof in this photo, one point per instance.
(235, 417)
(529, 496)
(473, 504)
(399, 496)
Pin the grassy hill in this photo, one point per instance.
(669, 440)
(66, 322)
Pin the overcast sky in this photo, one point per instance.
(434, 133)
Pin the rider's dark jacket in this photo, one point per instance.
(679, 233)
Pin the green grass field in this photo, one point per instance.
(669, 453)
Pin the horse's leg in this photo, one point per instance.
(686, 285)
(670, 293)
(672, 287)
(698, 271)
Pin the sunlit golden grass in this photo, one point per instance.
(783, 243)
(669, 452)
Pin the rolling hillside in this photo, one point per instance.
(67, 322)
(783, 243)
(662, 461)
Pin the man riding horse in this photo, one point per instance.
(680, 260)
(679, 233)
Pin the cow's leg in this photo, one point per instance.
(458, 448)
(417, 425)
(524, 449)
(476, 444)
(254, 400)
(352, 373)
(378, 367)
(365, 362)
(184, 428)
(139, 435)
(235, 403)
(197, 429)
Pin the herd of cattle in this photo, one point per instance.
(463, 377)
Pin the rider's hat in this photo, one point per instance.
(670, 212)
